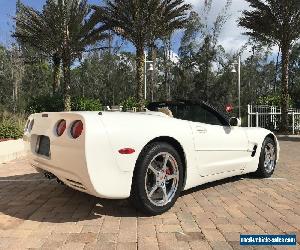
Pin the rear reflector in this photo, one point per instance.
(126, 151)
(61, 127)
(76, 129)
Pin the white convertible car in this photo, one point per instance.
(148, 156)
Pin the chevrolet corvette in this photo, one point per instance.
(150, 156)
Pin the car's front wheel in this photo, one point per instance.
(158, 179)
(267, 159)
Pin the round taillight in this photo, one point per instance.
(30, 127)
(76, 129)
(61, 127)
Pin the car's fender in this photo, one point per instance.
(136, 130)
(256, 137)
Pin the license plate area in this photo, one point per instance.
(43, 146)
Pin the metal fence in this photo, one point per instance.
(269, 117)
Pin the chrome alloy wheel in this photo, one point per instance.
(161, 179)
(270, 157)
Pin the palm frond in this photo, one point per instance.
(268, 20)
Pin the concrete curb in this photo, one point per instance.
(11, 150)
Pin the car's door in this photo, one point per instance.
(219, 148)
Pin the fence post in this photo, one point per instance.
(257, 119)
(293, 114)
(274, 116)
(249, 116)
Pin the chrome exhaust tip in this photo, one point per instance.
(59, 181)
(49, 175)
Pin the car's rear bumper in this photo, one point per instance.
(86, 164)
(70, 179)
(101, 183)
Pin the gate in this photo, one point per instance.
(269, 117)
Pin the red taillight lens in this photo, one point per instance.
(76, 129)
(61, 127)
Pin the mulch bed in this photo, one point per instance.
(5, 139)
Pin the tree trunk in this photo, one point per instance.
(67, 69)
(67, 81)
(56, 74)
(285, 88)
(140, 60)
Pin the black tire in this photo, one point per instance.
(263, 171)
(139, 197)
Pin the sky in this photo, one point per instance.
(8, 10)
(231, 37)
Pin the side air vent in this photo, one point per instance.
(254, 151)
(76, 184)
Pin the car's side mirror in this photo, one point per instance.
(235, 122)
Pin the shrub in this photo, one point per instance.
(11, 126)
(86, 104)
(47, 103)
(272, 100)
(131, 103)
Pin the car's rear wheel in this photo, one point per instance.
(267, 159)
(158, 179)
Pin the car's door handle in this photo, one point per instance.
(201, 129)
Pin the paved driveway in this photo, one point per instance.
(37, 213)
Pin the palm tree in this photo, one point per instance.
(32, 33)
(77, 30)
(65, 29)
(275, 22)
(141, 22)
